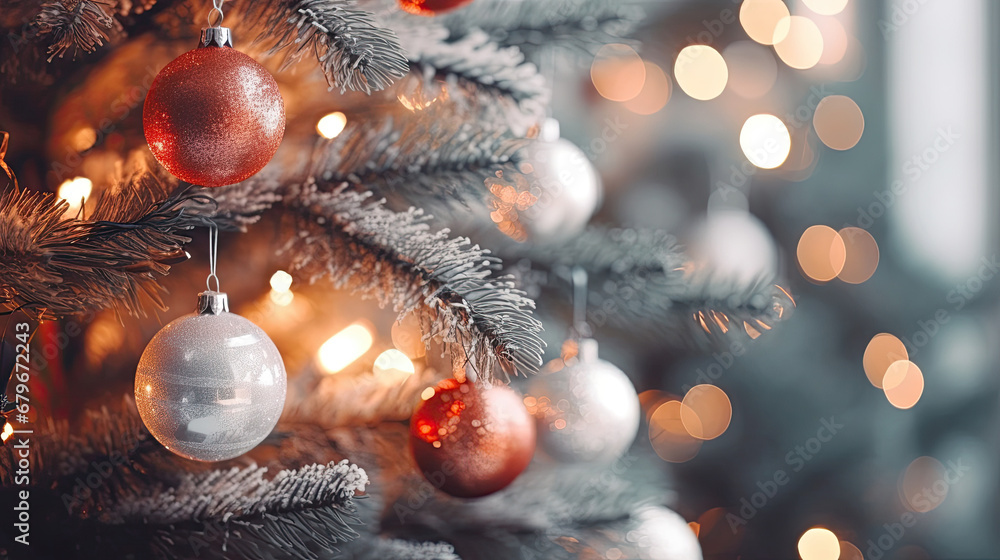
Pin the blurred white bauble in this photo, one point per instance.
(587, 411)
(660, 534)
(732, 246)
(566, 189)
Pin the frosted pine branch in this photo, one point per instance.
(643, 277)
(482, 318)
(56, 266)
(477, 72)
(582, 25)
(75, 26)
(431, 157)
(353, 51)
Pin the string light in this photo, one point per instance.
(281, 281)
(393, 361)
(765, 141)
(819, 544)
(343, 348)
(8, 430)
(701, 72)
(330, 126)
(618, 72)
(76, 191)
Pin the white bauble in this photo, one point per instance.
(210, 385)
(587, 411)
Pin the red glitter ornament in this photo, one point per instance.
(470, 442)
(431, 7)
(214, 116)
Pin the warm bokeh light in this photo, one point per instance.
(76, 191)
(821, 253)
(835, 41)
(923, 485)
(344, 347)
(332, 125)
(850, 552)
(903, 384)
(706, 412)
(819, 544)
(651, 400)
(801, 43)
(281, 299)
(655, 92)
(393, 361)
(760, 19)
(8, 430)
(84, 139)
(281, 281)
(668, 436)
(408, 338)
(883, 350)
(752, 69)
(765, 141)
(862, 255)
(618, 72)
(701, 72)
(826, 7)
(839, 122)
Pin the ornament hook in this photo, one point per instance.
(213, 258)
(216, 11)
(579, 279)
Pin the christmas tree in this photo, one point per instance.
(381, 189)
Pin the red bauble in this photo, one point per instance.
(214, 116)
(470, 442)
(431, 7)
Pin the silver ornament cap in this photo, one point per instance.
(215, 37)
(587, 412)
(210, 385)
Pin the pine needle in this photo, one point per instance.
(353, 51)
(482, 318)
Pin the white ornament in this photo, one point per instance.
(568, 190)
(210, 385)
(586, 412)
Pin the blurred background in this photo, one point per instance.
(857, 156)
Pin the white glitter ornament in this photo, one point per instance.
(210, 385)
(586, 412)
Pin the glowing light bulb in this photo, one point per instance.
(344, 347)
(281, 281)
(766, 141)
(819, 544)
(701, 72)
(7, 431)
(332, 125)
(393, 360)
(76, 191)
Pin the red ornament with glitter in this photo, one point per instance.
(431, 7)
(214, 116)
(470, 442)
